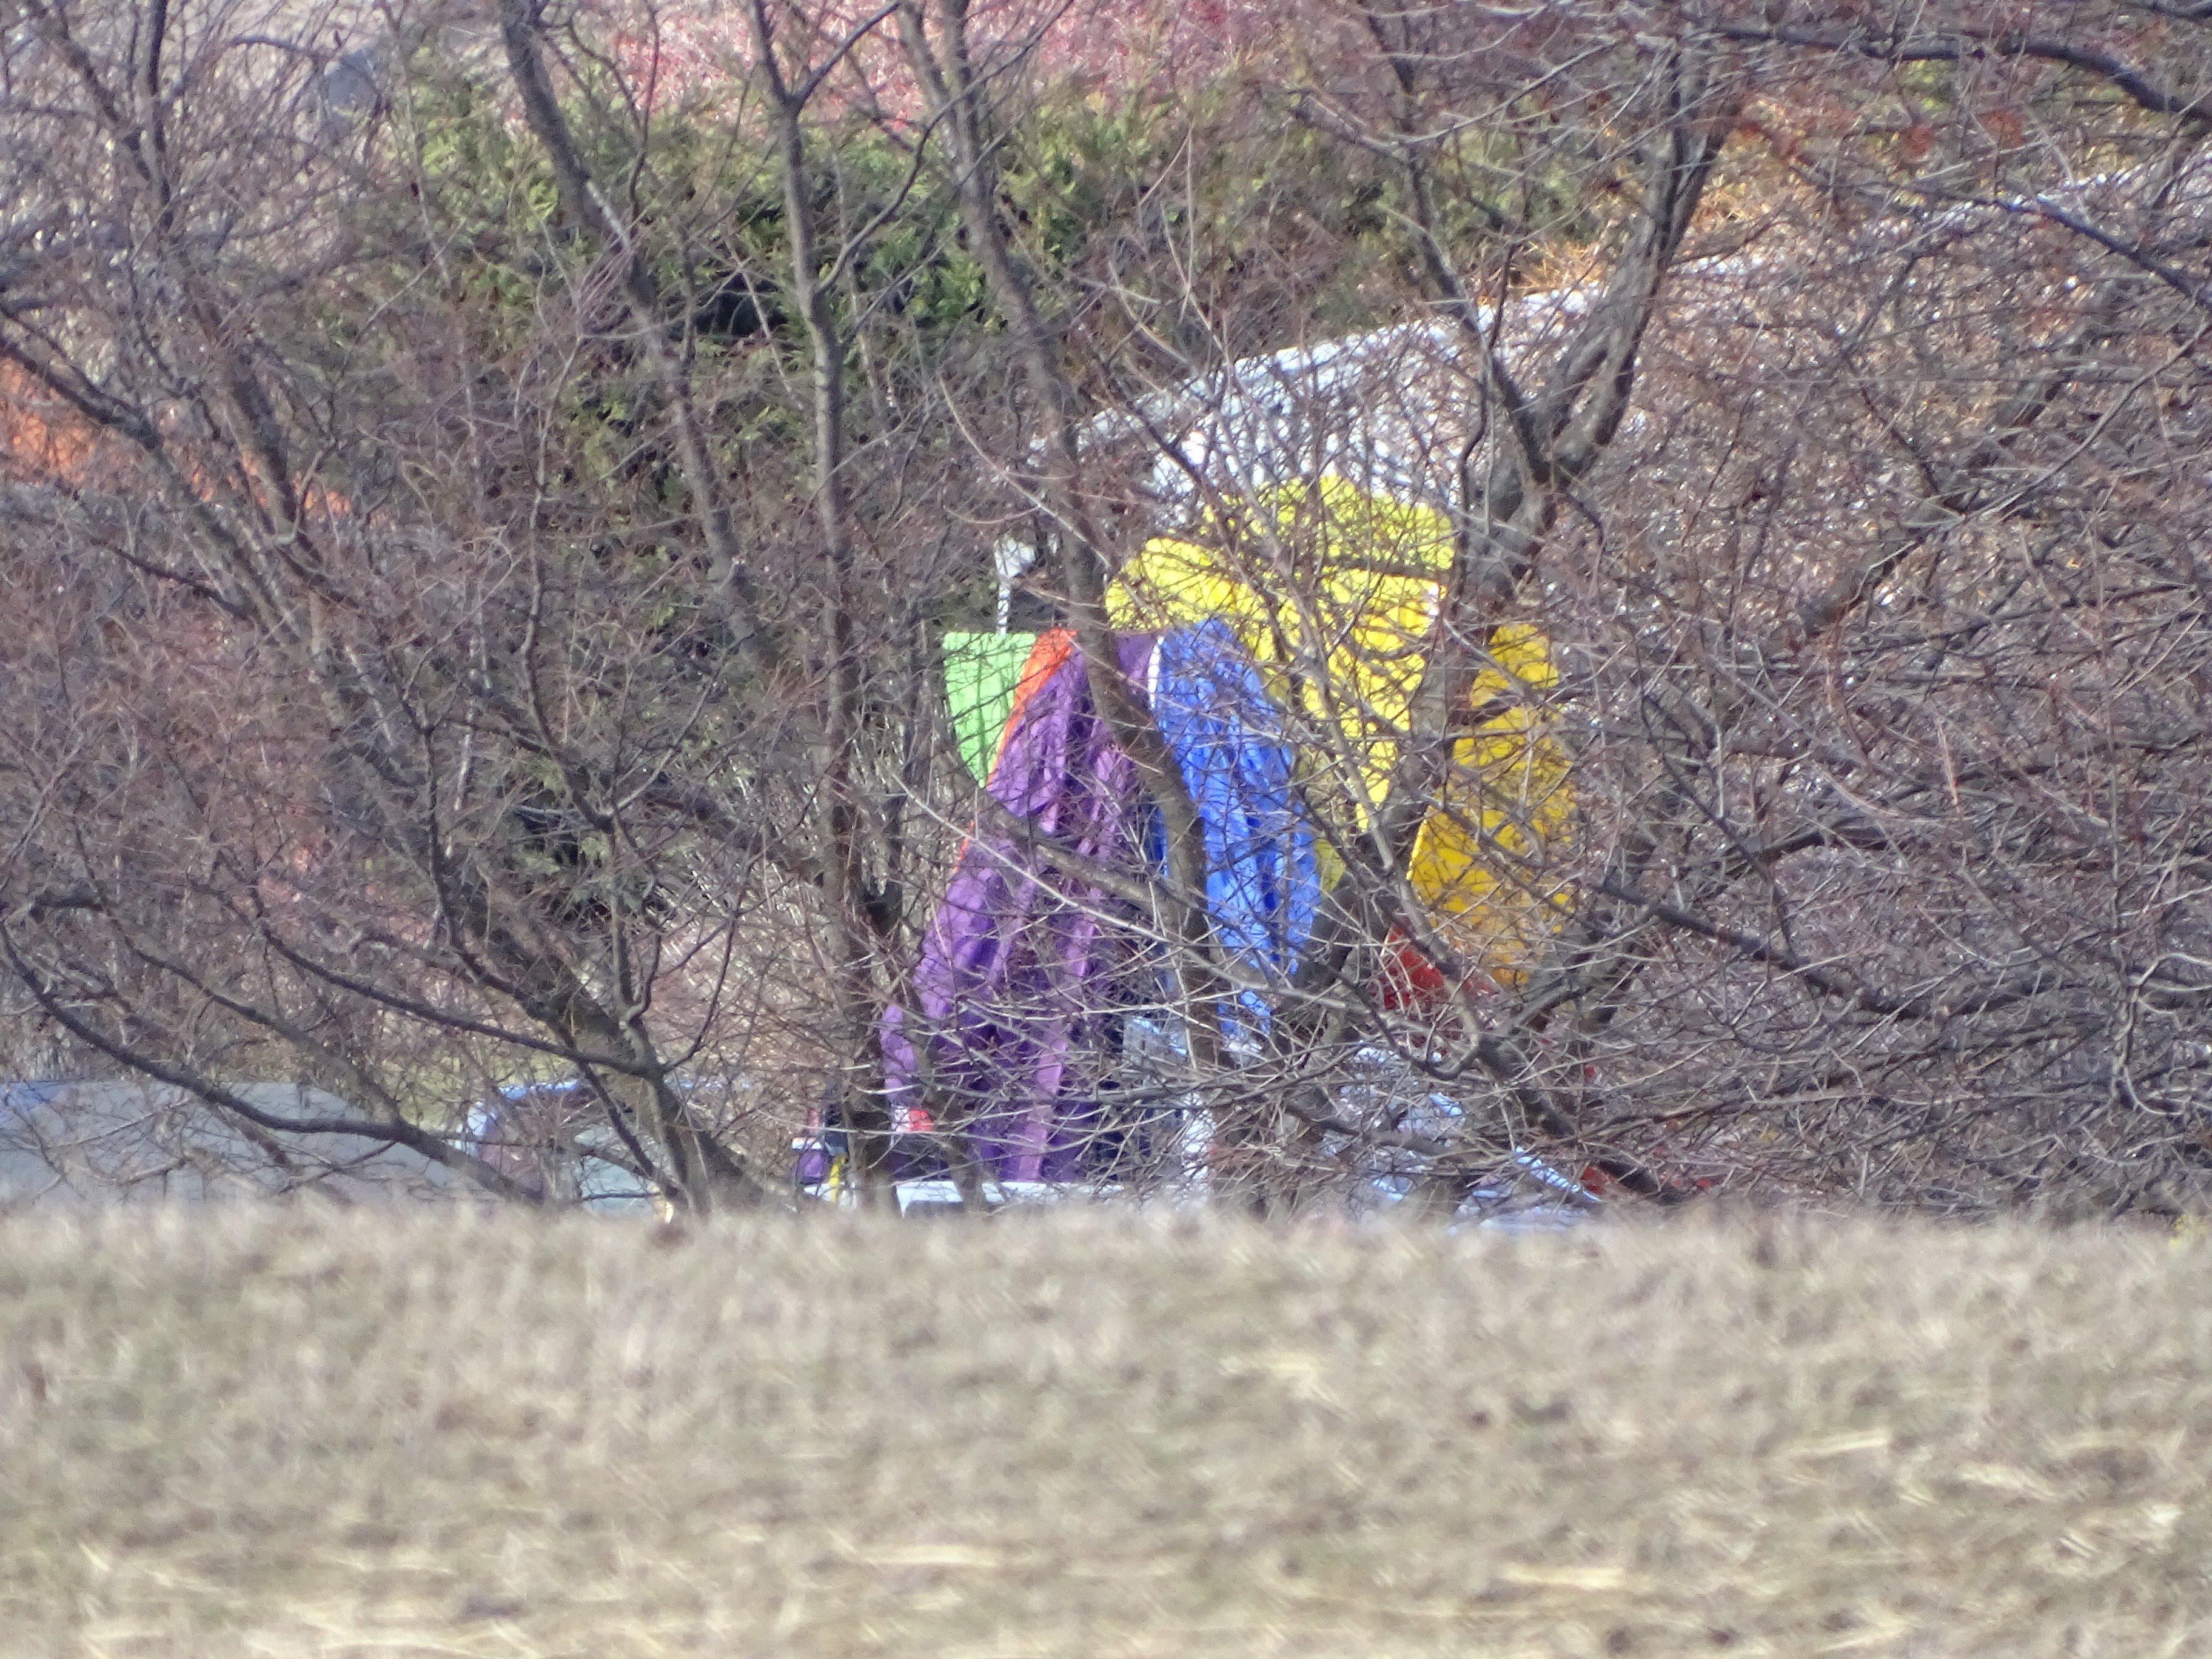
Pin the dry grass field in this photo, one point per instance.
(297, 1434)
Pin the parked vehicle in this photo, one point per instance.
(136, 1141)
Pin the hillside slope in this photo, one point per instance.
(292, 1433)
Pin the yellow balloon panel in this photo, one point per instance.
(1483, 861)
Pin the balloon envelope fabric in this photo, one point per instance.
(1485, 862)
(1261, 885)
(980, 674)
(1028, 955)
(1334, 591)
(1038, 952)
(1030, 963)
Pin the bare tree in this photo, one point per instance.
(467, 709)
(1708, 494)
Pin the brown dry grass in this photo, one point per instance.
(295, 1433)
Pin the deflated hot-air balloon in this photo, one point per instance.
(1278, 639)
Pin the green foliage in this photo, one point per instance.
(1167, 233)
(484, 194)
(1231, 226)
(1210, 225)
